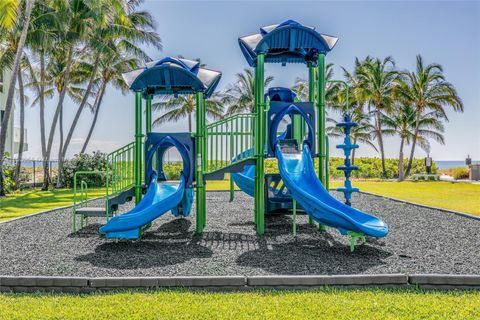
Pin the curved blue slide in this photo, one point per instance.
(299, 176)
(160, 198)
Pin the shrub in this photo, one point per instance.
(9, 181)
(460, 173)
(372, 167)
(9, 176)
(172, 170)
(85, 162)
(368, 168)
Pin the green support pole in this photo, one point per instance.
(148, 114)
(259, 145)
(204, 156)
(138, 147)
(200, 163)
(327, 163)
(321, 117)
(294, 218)
(311, 98)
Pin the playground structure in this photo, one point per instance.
(238, 145)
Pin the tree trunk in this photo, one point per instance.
(60, 149)
(46, 171)
(414, 142)
(400, 160)
(61, 98)
(79, 110)
(97, 105)
(380, 142)
(11, 90)
(22, 129)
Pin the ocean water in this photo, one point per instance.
(447, 164)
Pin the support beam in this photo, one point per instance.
(259, 145)
(311, 83)
(311, 98)
(321, 118)
(138, 147)
(200, 163)
(148, 114)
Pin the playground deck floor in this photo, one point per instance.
(421, 240)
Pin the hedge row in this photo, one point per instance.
(368, 167)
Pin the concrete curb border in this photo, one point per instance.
(23, 284)
(458, 213)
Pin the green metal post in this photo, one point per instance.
(148, 114)
(311, 83)
(232, 154)
(311, 98)
(200, 162)
(321, 117)
(204, 156)
(138, 146)
(327, 174)
(259, 145)
(294, 218)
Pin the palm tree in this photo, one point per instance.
(241, 95)
(22, 101)
(426, 89)
(41, 38)
(8, 21)
(362, 133)
(403, 122)
(184, 106)
(111, 68)
(301, 87)
(123, 54)
(75, 21)
(376, 79)
(126, 27)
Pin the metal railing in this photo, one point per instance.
(230, 140)
(121, 164)
(31, 171)
(83, 201)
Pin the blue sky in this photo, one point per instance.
(444, 32)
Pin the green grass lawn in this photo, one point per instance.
(32, 201)
(454, 196)
(322, 304)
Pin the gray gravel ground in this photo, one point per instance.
(420, 241)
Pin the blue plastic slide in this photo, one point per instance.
(160, 198)
(244, 179)
(299, 176)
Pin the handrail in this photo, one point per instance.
(229, 118)
(120, 162)
(228, 139)
(83, 194)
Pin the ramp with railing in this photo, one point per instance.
(230, 145)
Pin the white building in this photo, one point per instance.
(13, 134)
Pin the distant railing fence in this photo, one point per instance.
(32, 171)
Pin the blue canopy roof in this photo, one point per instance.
(288, 42)
(173, 76)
